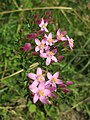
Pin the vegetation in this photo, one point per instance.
(15, 97)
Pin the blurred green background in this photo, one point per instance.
(15, 101)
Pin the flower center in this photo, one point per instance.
(39, 77)
(61, 35)
(50, 53)
(50, 40)
(54, 80)
(43, 26)
(41, 93)
(42, 46)
(71, 41)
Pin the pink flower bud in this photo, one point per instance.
(26, 47)
(65, 90)
(62, 85)
(60, 57)
(31, 36)
(66, 43)
(35, 16)
(39, 21)
(41, 32)
(69, 82)
(34, 53)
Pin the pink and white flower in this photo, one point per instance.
(38, 77)
(43, 25)
(40, 93)
(40, 45)
(70, 41)
(53, 79)
(60, 35)
(49, 55)
(49, 40)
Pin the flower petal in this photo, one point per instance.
(41, 86)
(56, 75)
(37, 48)
(32, 76)
(43, 100)
(63, 38)
(37, 41)
(39, 71)
(47, 92)
(48, 60)
(43, 55)
(58, 32)
(35, 83)
(54, 58)
(50, 35)
(59, 81)
(35, 98)
(49, 75)
(34, 89)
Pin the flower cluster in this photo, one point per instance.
(47, 46)
(44, 46)
(43, 89)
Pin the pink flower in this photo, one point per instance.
(49, 40)
(70, 41)
(49, 55)
(53, 79)
(31, 36)
(60, 35)
(26, 47)
(38, 77)
(40, 93)
(43, 25)
(40, 45)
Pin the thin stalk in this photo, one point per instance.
(38, 8)
(13, 74)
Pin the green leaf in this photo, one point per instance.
(32, 108)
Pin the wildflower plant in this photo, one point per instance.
(47, 47)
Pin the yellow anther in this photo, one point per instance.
(42, 46)
(39, 78)
(50, 52)
(41, 93)
(54, 80)
(50, 39)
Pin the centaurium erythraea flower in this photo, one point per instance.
(53, 79)
(60, 35)
(40, 93)
(70, 41)
(38, 77)
(49, 40)
(49, 55)
(40, 45)
(43, 25)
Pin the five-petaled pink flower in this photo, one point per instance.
(60, 35)
(53, 79)
(70, 41)
(43, 25)
(38, 77)
(49, 40)
(40, 93)
(49, 55)
(40, 45)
